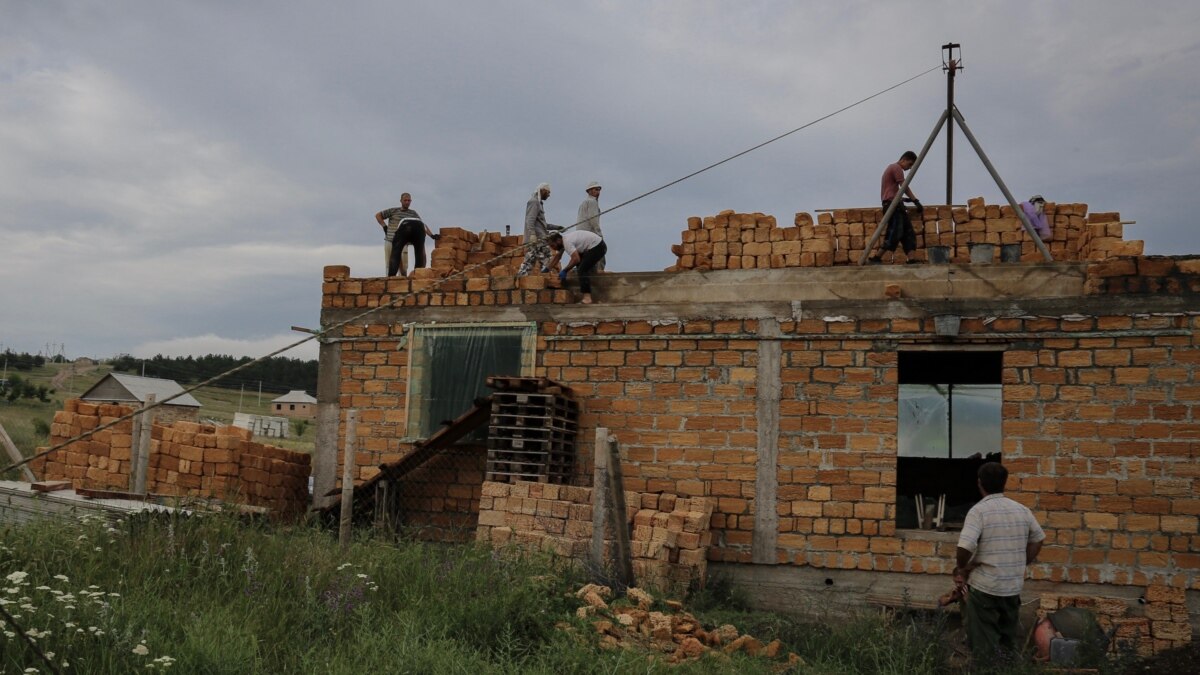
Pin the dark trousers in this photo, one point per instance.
(587, 265)
(899, 230)
(993, 626)
(407, 234)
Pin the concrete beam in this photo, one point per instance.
(766, 480)
(324, 466)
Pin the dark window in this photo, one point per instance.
(291, 406)
(449, 367)
(949, 424)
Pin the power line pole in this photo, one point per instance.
(240, 392)
(950, 64)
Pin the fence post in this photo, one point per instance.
(619, 514)
(15, 455)
(348, 480)
(142, 448)
(600, 499)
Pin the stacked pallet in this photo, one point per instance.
(531, 434)
(457, 250)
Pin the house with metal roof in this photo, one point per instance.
(295, 403)
(125, 389)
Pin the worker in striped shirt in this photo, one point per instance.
(1000, 537)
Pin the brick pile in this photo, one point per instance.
(669, 540)
(186, 459)
(633, 623)
(432, 290)
(731, 240)
(459, 249)
(1149, 274)
(1163, 625)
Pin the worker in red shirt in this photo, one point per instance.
(900, 230)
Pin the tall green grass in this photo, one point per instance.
(214, 594)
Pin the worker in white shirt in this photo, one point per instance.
(581, 249)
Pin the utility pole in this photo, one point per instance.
(260, 392)
(950, 63)
(240, 392)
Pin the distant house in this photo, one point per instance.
(132, 390)
(295, 403)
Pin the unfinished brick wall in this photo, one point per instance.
(731, 240)
(186, 459)
(669, 535)
(1100, 426)
(1161, 624)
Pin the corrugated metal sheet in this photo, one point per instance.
(124, 387)
(295, 396)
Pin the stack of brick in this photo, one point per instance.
(752, 241)
(1149, 274)
(1164, 624)
(734, 241)
(459, 249)
(186, 459)
(669, 540)
(431, 289)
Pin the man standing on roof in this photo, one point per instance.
(537, 255)
(1000, 537)
(899, 229)
(1035, 211)
(403, 226)
(583, 250)
(588, 219)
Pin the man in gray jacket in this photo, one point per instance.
(537, 254)
(588, 219)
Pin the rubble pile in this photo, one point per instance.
(633, 623)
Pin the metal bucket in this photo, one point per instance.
(946, 325)
(938, 255)
(1010, 253)
(982, 253)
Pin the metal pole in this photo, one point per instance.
(348, 480)
(1000, 184)
(142, 448)
(903, 186)
(950, 131)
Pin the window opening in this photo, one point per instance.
(449, 366)
(949, 424)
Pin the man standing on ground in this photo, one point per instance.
(1000, 537)
(584, 250)
(537, 255)
(588, 218)
(899, 229)
(411, 233)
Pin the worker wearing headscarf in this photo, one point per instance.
(537, 254)
(1035, 211)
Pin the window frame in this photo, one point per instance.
(414, 344)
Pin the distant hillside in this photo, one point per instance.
(278, 374)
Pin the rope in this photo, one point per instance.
(29, 641)
(462, 273)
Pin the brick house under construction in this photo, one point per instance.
(814, 400)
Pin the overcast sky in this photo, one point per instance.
(174, 175)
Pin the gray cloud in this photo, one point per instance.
(176, 174)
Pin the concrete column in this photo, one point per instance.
(766, 482)
(324, 466)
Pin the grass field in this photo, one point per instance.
(28, 421)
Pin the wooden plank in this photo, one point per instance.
(50, 485)
(98, 493)
(15, 455)
(142, 448)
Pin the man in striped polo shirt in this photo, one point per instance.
(1000, 537)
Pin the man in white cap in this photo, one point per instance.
(537, 254)
(588, 219)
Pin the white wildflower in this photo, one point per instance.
(17, 577)
(42, 588)
(61, 577)
(141, 650)
(361, 576)
(344, 566)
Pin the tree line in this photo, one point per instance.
(276, 374)
(22, 360)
